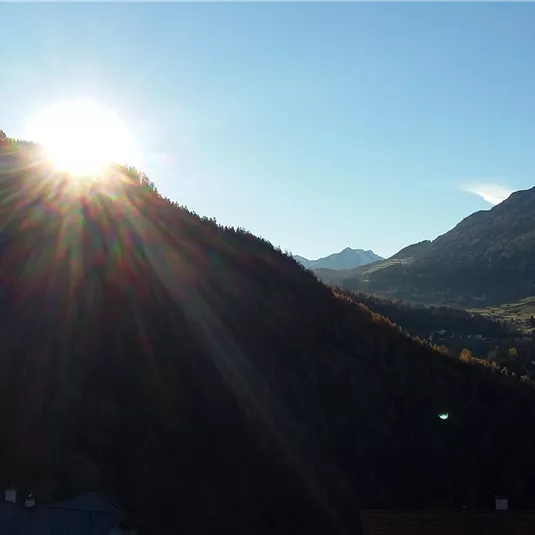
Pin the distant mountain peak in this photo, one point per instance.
(487, 258)
(347, 258)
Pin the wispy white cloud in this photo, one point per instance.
(492, 193)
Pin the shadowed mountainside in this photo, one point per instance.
(488, 258)
(206, 381)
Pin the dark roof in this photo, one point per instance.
(444, 522)
(92, 514)
(94, 502)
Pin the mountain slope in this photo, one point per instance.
(489, 257)
(346, 259)
(204, 380)
(423, 320)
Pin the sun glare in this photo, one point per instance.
(81, 138)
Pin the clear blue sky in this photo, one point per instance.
(317, 126)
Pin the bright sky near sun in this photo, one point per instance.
(317, 126)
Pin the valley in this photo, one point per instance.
(505, 340)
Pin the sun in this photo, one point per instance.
(81, 138)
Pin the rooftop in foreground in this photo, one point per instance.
(448, 522)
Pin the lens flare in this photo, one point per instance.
(81, 138)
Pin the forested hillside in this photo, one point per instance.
(206, 381)
(430, 321)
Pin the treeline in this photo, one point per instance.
(424, 320)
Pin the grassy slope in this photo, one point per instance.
(516, 313)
